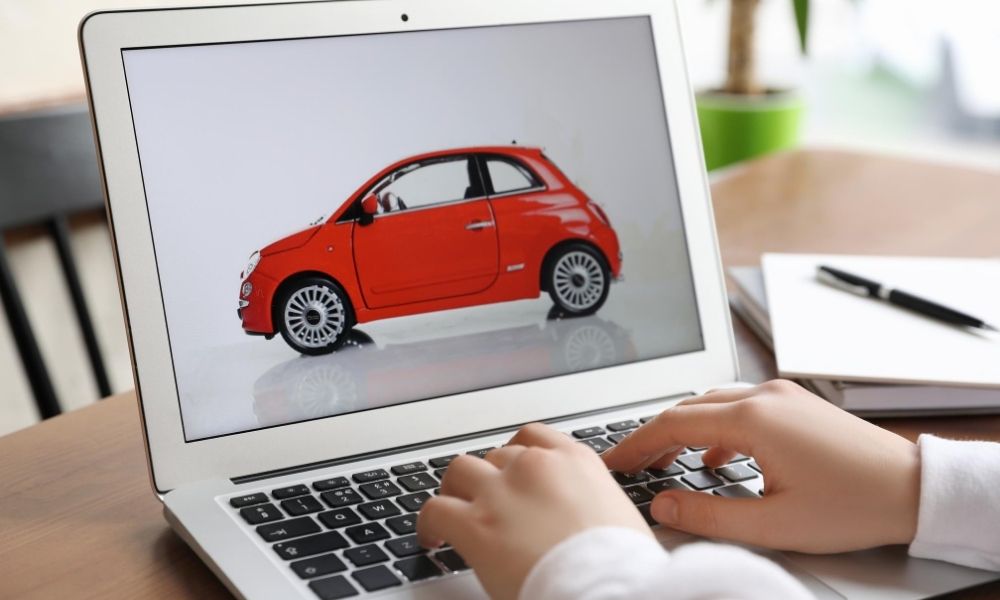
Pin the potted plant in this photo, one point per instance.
(744, 118)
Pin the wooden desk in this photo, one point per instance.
(78, 519)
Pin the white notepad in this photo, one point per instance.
(822, 332)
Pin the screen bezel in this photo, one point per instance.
(174, 461)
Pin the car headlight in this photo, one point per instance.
(251, 265)
(247, 289)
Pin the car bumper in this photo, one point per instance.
(254, 310)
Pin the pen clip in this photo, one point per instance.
(833, 281)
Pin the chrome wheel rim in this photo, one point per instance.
(578, 280)
(314, 316)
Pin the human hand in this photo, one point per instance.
(833, 482)
(504, 512)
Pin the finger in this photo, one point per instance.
(466, 475)
(536, 434)
(747, 520)
(501, 457)
(716, 456)
(665, 460)
(683, 425)
(719, 396)
(443, 519)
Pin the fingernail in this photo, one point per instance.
(665, 510)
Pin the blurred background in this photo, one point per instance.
(914, 79)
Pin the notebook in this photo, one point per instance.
(749, 301)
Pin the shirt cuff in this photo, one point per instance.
(602, 562)
(959, 516)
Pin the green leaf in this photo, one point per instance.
(802, 23)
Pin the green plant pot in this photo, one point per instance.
(735, 128)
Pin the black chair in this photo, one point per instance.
(48, 173)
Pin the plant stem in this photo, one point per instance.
(742, 76)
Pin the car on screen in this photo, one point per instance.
(438, 231)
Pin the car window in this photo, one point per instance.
(428, 184)
(508, 176)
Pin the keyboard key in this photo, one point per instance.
(321, 565)
(413, 502)
(739, 458)
(367, 533)
(403, 525)
(404, 546)
(589, 432)
(333, 588)
(442, 462)
(597, 444)
(376, 578)
(451, 560)
(308, 546)
(645, 420)
(373, 475)
(417, 568)
(753, 465)
(734, 491)
(629, 478)
(638, 494)
(672, 471)
(618, 426)
(344, 497)
(665, 484)
(736, 472)
(440, 473)
(362, 556)
(302, 505)
(617, 437)
(481, 453)
(379, 509)
(275, 532)
(418, 482)
(697, 448)
(702, 480)
(331, 484)
(248, 500)
(409, 468)
(691, 462)
(290, 491)
(342, 517)
(380, 489)
(264, 513)
(644, 510)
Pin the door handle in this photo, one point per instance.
(477, 225)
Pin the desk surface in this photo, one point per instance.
(78, 517)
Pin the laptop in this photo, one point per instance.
(356, 239)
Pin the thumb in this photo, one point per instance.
(747, 520)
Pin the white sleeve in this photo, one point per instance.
(959, 519)
(607, 563)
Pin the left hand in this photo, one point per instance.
(502, 514)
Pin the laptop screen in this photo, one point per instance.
(347, 223)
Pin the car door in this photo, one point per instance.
(434, 236)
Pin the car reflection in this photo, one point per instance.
(364, 375)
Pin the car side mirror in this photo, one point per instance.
(369, 207)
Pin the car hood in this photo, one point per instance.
(291, 242)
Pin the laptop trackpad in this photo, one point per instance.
(887, 574)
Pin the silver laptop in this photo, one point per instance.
(356, 239)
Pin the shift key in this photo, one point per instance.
(308, 546)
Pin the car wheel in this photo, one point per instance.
(578, 279)
(314, 316)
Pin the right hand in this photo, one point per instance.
(833, 482)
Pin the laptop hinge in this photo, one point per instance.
(439, 442)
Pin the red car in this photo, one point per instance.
(434, 232)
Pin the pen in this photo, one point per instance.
(855, 284)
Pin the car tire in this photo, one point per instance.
(313, 315)
(578, 279)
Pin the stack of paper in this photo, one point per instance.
(867, 355)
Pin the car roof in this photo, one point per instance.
(512, 150)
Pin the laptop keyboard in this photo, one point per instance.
(348, 536)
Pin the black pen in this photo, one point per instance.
(866, 287)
